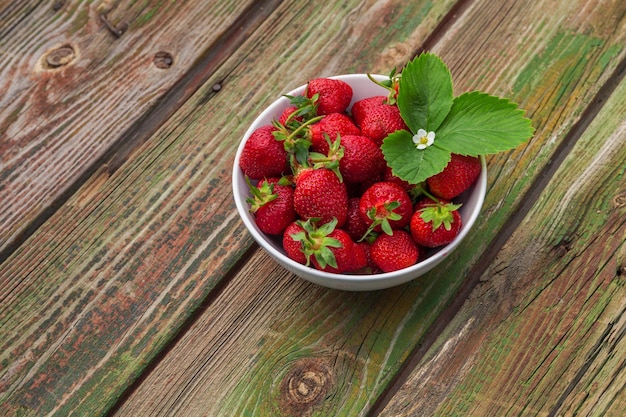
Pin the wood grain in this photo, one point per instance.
(344, 347)
(543, 334)
(93, 296)
(71, 89)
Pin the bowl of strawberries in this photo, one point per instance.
(362, 182)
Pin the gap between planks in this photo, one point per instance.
(474, 274)
(154, 118)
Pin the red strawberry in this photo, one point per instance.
(362, 159)
(457, 176)
(301, 109)
(272, 205)
(320, 194)
(331, 125)
(286, 116)
(380, 121)
(385, 206)
(354, 225)
(362, 107)
(360, 257)
(334, 96)
(344, 254)
(292, 242)
(394, 252)
(435, 224)
(323, 246)
(372, 268)
(263, 156)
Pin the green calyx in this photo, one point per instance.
(306, 109)
(261, 195)
(295, 138)
(316, 242)
(381, 216)
(330, 161)
(439, 214)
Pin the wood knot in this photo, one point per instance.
(163, 60)
(305, 386)
(619, 200)
(396, 55)
(58, 5)
(59, 57)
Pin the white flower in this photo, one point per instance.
(423, 139)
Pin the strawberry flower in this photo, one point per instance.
(423, 139)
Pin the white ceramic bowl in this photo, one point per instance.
(362, 87)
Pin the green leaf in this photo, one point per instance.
(386, 227)
(412, 164)
(426, 94)
(481, 124)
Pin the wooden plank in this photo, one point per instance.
(71, 89)
(544, 332)
(290, 348)
(102, 286)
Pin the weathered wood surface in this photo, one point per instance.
(101, 287)
(545, 331)
(98, 290)
(72, 89)
(290, 348)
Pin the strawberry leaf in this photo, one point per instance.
(481, 124)
(409, 163)
(425, 92)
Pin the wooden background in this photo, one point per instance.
(129, 286)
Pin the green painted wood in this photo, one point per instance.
(71, 88)
(543, 334)
(100, 288)
(284, 347)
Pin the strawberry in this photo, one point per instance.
(325, 247)
(334, 96)
(360, 257)
(393, 252)
(293, 247)
(320, 194)
(385, 206)
(348, 256)
(371, 266)
(272, 205)
(300, 110)
(362, 107)
(331, 125)
(362, 159)
(380, 121)
(435, 223)
(288, 115)
(460, 173)
(354, 225)
(263, 156)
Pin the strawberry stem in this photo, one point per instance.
(424, 191)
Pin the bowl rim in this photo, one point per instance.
(321, 277)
